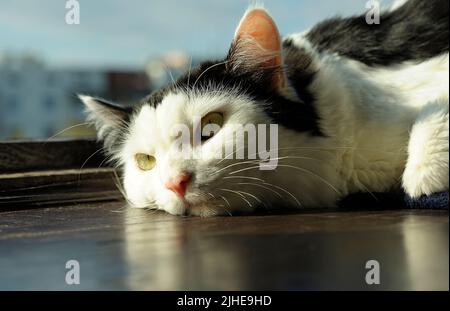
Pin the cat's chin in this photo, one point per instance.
(199, 209)
(204, 210)
(193, 207)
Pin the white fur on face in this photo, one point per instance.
(151, 132)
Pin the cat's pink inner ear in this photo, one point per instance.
(258, 26)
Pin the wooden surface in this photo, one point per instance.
(26, 190)
(24, 156)
(123, 248)
(54, 172)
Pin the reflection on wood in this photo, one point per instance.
(124, 248)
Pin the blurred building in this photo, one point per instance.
(127, 87)
(37, 102)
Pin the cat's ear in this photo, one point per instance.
(108, 118)
(257, 46)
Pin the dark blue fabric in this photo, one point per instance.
(389, 200)
(435, 201)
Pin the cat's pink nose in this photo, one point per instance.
(179, 184)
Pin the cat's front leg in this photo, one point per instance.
(426, 170)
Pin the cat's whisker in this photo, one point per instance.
(244, 169)
(368, 191)
(313, 174)
(212, 211)
(230, 154)
(279, 188)
(293, 167)
(262, 186)
(65, 130)
(244, 177)
(238, 194)
(189, 71)
(93, 154)
(103, 161)
(264, 182)
(202, 195)
(256, 153)
(210, 67)
(169, 72)
(309, 148)
(85, 162)
(119, 187)
(260, 161)
(252, 196)
(234, 164)
(296, 157)
(225, 200)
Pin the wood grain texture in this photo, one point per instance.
(21, 156)
(37, 188)
(121, 248)
(36, 173)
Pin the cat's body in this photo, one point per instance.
(348, 122)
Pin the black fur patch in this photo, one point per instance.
(155, 98)
(416, 31)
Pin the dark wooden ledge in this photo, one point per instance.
(23, 156)
(36, 173)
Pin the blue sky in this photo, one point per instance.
(120, 33)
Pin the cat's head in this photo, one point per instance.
(241, 89)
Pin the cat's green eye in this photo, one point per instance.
(145, 161)
(212, 118)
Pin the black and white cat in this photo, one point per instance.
(359, 108)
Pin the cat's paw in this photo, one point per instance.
(426, 171)
(420, 180)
